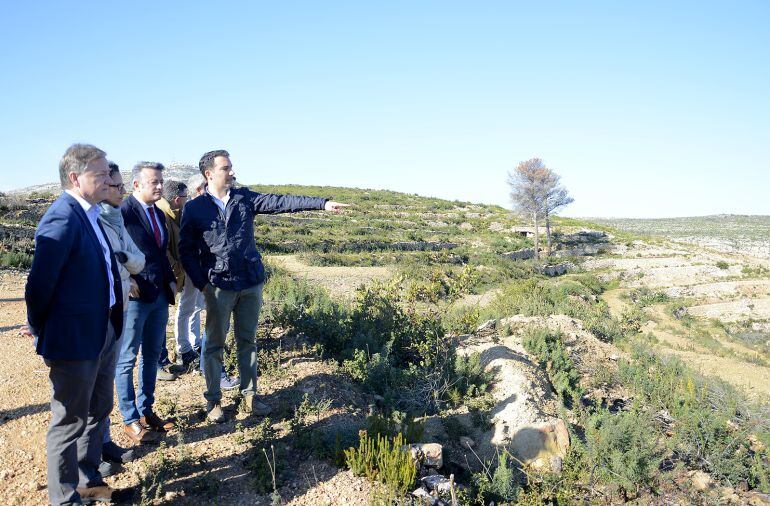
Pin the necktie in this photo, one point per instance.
(155, 228)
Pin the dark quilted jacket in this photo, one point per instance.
(219, 248)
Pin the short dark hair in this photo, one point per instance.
(207, 160)
(172, 189)
(113, 167)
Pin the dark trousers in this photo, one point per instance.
(81, 398)
(244, 306)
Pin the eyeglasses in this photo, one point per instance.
(117, 186)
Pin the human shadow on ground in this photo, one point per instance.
(205, 481)
(16, 413)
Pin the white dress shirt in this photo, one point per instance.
(146, 208)
(92, 213)
(221, 203)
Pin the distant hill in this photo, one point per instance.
(174, 170)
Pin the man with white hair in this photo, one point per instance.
(75, 313)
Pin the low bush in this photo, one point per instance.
(383, 459)
(712, 421)
(644, 297)
(16, 259)
(548, 347)
(623, 449)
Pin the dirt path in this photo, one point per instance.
(339, 281)
(714, 355)
(202, 462)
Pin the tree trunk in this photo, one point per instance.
(548, 235)
(537, 236)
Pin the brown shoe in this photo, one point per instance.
(100, 493)
(139, 433)
(155, 422)
(105, 494)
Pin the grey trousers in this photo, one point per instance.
(244, 305)
(81, 398)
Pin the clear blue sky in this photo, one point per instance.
(645, 108)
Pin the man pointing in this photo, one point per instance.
(220, 256)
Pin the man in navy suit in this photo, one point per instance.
(147, 313)
(74, 311)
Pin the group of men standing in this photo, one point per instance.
(104, 273)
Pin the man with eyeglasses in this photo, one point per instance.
(175, 195)
(130, 261)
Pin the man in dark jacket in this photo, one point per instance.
(74, 311)
(147, 313)
(220, 256)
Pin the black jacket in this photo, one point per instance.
(157, 274)
(219, 248)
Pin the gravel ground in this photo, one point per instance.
(205, 463)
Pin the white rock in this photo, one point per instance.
(427, 454)
(701, 481)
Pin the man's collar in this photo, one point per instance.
(227, 195)
(87, 206)
(142, 203)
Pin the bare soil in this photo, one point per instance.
(341, 282)
(710, 292)
(209, 462)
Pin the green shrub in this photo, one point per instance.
(499, 486)
(461, 320)
(723, 265)
(548, 347)
(644, 297)
(623, 449)
(383, 459)
(712, 420)
(16, 259)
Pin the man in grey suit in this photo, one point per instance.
(74, 311)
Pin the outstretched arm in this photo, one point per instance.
(334, 206)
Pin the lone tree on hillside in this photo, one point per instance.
(536, 193)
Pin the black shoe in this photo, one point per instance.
(164, 374)
(190, 361)
(107, 468)
(114, 453)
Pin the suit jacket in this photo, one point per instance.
(157, 275)
(67, 291)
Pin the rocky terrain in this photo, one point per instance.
(543, 386)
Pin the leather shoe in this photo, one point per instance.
(251, 404)
(105, 494)
(165, 374)
(150, 419)
(139, 433)
(99, 493)
(215, 413)
(114, 453)
(107, 468)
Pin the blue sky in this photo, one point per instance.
(646, 109)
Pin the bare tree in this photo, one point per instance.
(556, 197)
(536, 193)
(527, 182)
